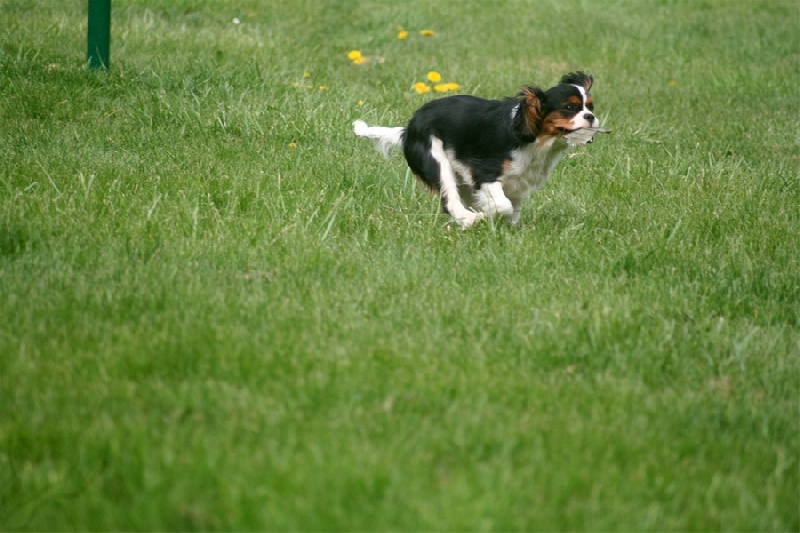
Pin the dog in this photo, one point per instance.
(485, 157)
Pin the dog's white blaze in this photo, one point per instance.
(579, 121)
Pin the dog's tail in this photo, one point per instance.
(385, 138)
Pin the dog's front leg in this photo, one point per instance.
(516, 204)
(491, 199)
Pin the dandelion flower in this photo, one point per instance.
(323, 87)
(292, 145)
(402, 34)
(427, 33)
(361, 102)
(356, 57)
(421, 87)
(306, 75)
(434, 76)
(445, 87)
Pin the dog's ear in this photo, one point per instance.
(579, 78)
(532, 98)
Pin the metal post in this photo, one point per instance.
(99, 40)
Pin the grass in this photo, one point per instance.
(224, 312)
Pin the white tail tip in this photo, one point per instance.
(384, 138)
(360, 128)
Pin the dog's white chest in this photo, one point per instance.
(531, 166)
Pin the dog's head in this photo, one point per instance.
(561, 109)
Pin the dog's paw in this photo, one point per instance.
(469, 219)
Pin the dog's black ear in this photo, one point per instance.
(579, 78)
(531, 115)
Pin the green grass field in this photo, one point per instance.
(222, 311)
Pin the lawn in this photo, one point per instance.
(222, 311)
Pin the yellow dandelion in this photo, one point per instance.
(421, 87)
(434, 76)
(292, 145)
(402, 34)
(306, 75)
(427, 33)
(445, 87)
(323, 87)
(361, 102)
(353, 55)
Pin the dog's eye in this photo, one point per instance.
(590, 107)
(571, 108)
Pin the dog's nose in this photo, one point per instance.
(589, 117)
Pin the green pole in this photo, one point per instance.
(99, 34)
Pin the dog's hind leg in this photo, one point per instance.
(448, 187)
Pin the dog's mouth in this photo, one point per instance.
(583, 135)
(566, 131)
(562, 127)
